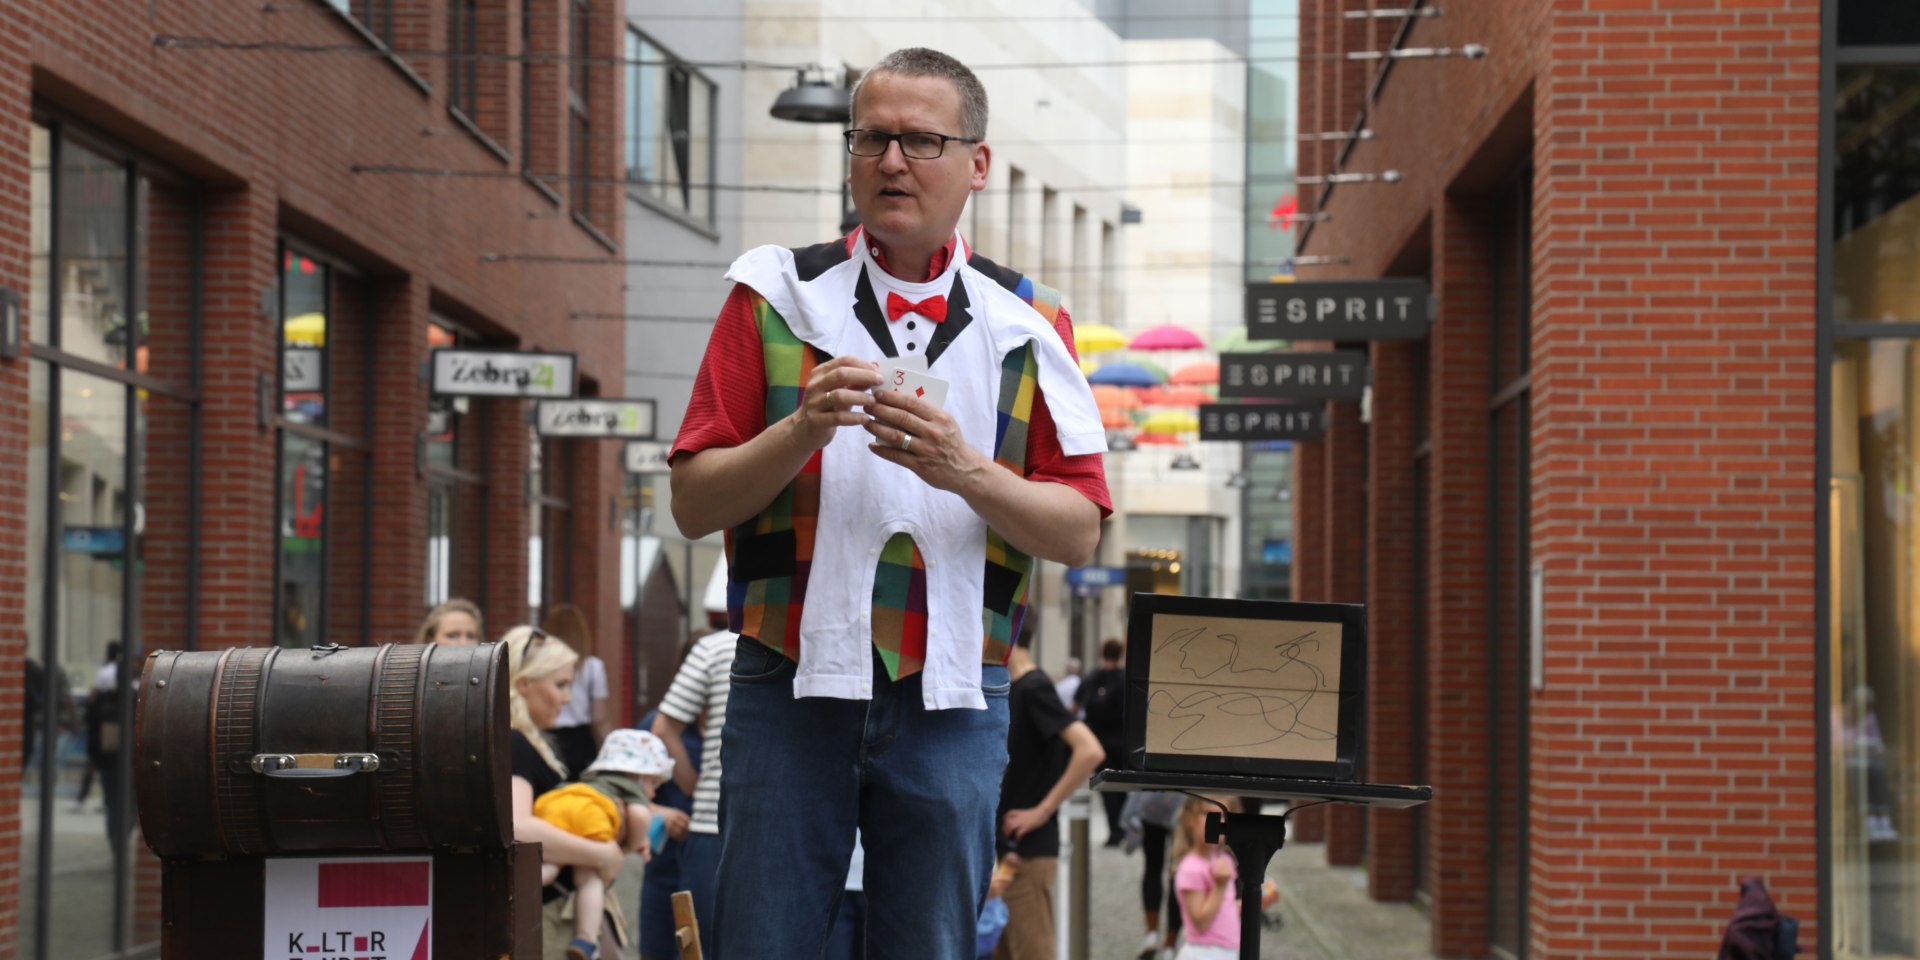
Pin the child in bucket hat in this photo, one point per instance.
(609, 802)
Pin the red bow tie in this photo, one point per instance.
(933, 308)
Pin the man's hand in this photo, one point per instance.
(833, 391)
(937, 452)
(677, 822)
(1019, 823)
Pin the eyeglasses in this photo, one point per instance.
(915, 145)
(535, 636)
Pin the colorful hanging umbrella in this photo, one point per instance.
(1171, 421)
(1113, 419)
(1196, 374)
(1087, 366)
(1163, 439)
(1235, 341)
(1125, 375)
(1115, 398)
(1097, 338)
(1168, 337)
(1175, 396)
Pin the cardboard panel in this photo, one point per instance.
(1245, 687)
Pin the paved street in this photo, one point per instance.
(1326, 912)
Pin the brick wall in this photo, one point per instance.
(1674, 432)
(267, 143)
(1672, 149)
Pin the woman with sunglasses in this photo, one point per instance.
(540, 669)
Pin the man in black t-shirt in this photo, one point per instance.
(1049, 755)
(1102, 698)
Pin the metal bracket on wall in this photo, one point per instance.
(263, 398)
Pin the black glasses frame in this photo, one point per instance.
(891, 138)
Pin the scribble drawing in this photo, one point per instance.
(1217, 719)
(1205, 652)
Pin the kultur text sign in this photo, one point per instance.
(1393, 309)
(1340, 375)
(1261, 421)
(502, 373)
(629, 419)
(377, 908)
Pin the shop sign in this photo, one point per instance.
(502, 373)
(335, 908)
(1261, 421)
(632, 419)
(1392, 309)
(1096, 576)
(647, 456)
(300, 370)
(1340, 375)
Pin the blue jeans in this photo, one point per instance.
(848, 941)
(699, 859)
(657, 885)
(801, 774)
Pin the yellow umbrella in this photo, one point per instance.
(1171, 421)
(1087, 367)
(307, 329)
(1097, 338)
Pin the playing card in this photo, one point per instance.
(918, 383)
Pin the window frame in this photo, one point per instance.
(657, 194)
(62, 127)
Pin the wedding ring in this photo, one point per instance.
(906, 440)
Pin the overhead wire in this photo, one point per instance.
(567, 259)
(801, 189)
(1089, 18)
(186, 42)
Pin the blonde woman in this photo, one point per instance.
(457, 621)
(541, 672)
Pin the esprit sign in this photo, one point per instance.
(502, 373)
(632, 419)
(1261, 421)
(1340, 375)
(1394, 309)
(349, 908)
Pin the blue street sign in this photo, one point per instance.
(1096, 576)
(100, 541)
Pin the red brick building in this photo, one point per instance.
(1599, 514)
(216, 429)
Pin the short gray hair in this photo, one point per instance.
(922, 62)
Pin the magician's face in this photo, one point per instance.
(906, 202)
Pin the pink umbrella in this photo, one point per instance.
(1168, 337)
(1196, 374)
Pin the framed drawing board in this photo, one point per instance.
(1264, 688)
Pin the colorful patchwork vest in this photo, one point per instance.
(770, 557)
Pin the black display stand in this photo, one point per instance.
(1253, 837)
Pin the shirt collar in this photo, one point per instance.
(942, 257)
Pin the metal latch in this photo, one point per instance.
(314, 764)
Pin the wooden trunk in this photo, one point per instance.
(434, 718)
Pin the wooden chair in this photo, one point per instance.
(685, 931)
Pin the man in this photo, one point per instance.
(869, 686)
(1049, 755)
(1103, 703)
(700, 687)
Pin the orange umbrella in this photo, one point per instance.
(1116, 398)
(1164, 439)
(1113, 419)
(1196, 374)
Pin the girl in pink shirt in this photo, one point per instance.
(1205, 884)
